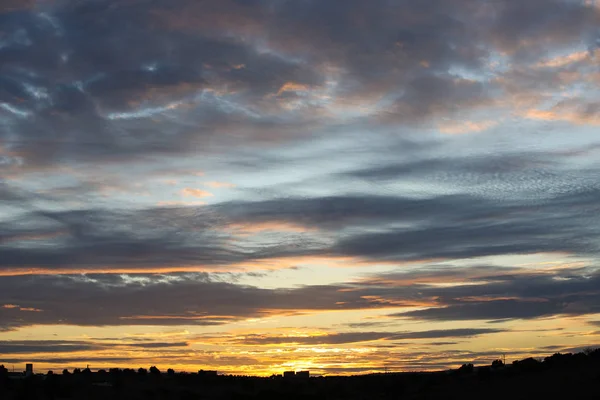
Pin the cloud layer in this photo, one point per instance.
(424, 168)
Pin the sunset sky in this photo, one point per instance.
(255, 186)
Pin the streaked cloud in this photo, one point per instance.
(218, 185)
(353, 337)
(196, 193)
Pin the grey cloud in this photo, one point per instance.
(547, 23)
(521, 296)
(197, 299)
(494, 166)
(562, 223)
(340, 211)
(442, 343)
(451, 226)
(157, 345)
(339, 338)
(522, 202)
(434, 96)
(399, 35)
(81, 361)
(49, 346)
(186, 299)
(499, 309)
(94, 238)
(67, 70)
(454, 241)
(353, 337)
(367, 324)
(95, 89)
(445, 333)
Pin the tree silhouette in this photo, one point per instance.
(154, 371)
(466, 368)
(527, 364)
(497, 364)
(170, 372)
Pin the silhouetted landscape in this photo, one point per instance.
(558, 376)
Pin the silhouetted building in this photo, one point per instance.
(28, 369)
(289, 374)
(303, 374)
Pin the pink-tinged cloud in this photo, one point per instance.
(564, 60)
(567, 113)
(218, 185)
(293, 87)
(461, 127)
(196, 193)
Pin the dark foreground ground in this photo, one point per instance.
(557, 377)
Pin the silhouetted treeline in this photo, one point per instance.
(572, 376)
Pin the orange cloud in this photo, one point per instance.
(215, 184)
(39, 236)
(269, 264)
(15, 306)
(251, 228)
(461, 127)
(575, 117)
(180, 203)
(562, 61)
(196, 193)
(30, 309)
(293, 87)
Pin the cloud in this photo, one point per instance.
(457, 128)
(215, 184)
(116, 96)
(157, 345)
(428, 97)
(500, 309)
(524, 295)
(172, 79)
(358, 134)
(13, 5)
(409, 229)
(46, 346)
(575, 112)
(156, 300)
(353, 337)
(196, 193)
(519, 28)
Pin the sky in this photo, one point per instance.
(342, 186)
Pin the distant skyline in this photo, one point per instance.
(253, 186)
